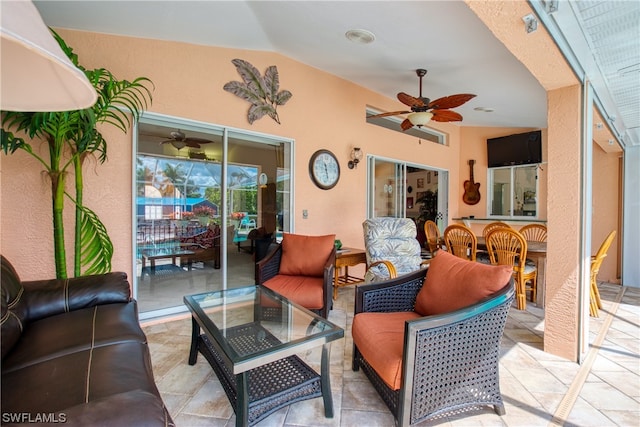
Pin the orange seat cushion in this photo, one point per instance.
(453, 283)
(305, 255)
(304, 290)
(380, 339)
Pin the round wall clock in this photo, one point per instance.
(324, 169)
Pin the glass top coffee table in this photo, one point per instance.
(250, 336)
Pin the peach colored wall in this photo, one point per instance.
(474, 146)
(325, 112)
(606, 194)
(564, 183)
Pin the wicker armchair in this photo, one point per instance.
(447, 362)
(301, 268)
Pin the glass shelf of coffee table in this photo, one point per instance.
(250, 336)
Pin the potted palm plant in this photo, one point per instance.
(73, 136)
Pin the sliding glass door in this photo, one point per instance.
(208, 202)
(400, 189)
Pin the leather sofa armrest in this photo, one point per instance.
(46, 298)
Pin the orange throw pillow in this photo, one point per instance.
(453, 283)
(305, 255)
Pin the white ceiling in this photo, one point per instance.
(445, 37)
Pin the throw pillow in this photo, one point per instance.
(305, 255)
(453, 283)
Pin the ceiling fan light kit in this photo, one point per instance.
(422, 109)
(179, 145)
(420, 119)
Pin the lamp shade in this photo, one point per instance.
(420, 118)
(35, 74)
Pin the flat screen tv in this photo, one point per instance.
(519, 149)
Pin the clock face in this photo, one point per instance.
(324, 169)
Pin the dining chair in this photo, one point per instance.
(596, 261)
(460, 241)
(507, 246)
(534, 232)
(432, 232)
(492, 226)
(483, 256)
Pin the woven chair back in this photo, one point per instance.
(507, 246)
(460, 241)
(492, 226)
(432, 232)
(534, 232)
(596, 261)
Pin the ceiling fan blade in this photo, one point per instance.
(191, 143)
(409, 100)
(406, 124)
(392, 113)
(197, 140)
(451, 101)
(446, 116)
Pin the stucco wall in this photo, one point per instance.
(564, 189)
(605, 210)
(325, 112)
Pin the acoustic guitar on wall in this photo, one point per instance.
(471, 194)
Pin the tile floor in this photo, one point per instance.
(538, 389)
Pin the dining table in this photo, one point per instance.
(537, 252)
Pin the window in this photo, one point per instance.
(513, 191)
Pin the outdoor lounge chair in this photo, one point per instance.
(429, 341)
(301, 268)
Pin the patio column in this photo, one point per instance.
(563, 213)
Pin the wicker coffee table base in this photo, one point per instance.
(269, 387)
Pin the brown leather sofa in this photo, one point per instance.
(73, 353)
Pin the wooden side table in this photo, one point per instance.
(347, 257)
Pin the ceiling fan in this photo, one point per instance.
(179, 140)
(423, 109)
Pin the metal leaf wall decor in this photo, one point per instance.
(263, 93)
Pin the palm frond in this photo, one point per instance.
(10, 143)
(96, 246)
(67, 50)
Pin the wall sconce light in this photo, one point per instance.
(356, 156)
